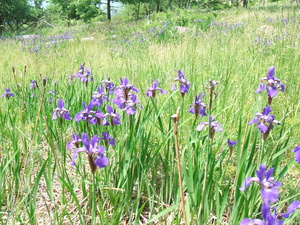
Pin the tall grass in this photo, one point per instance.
(141, 183)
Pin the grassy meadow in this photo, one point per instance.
(140, 185)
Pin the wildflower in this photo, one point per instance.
(269, 186)
(72, 77)
(213, 126)
(74, 142)
(231, 143)
(292, 208)
(151, 91)
(124, 98)
(264, 121)
(114, 117)
(109, 85)
(95, 152)
(55, 82)
(99, 96)
(270, 218)
(7, 93)
(61, 111)
(122, 91)
(84, 74)
(297, 153)
(198, 107)
(87, 114)
(131, 103)
(33, 85)
(52, 92)
(108, 139)
(247, 221)
(184, 84)
(272, 86)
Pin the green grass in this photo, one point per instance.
(140, 184)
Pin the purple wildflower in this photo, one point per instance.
(184, 84)
(95, 152)
(122, 91)
(99, 96)
(151, 91)
(292, 208)
(231, 143)
(72, 77)
(124, 98)
(33, 85)
(269, 186)
(114, 117)
(198, 107)
(270, 218)
(61, 111)
(87, 114)
(74, 142)
(108, 139)
(52, 92)
(213, 126)
(84, 74)
(131, 103)
(264, 121)
(273, 84)
(247, 221)
(109, 85)
(297, 153)
(7, 93)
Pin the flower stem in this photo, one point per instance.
(176, 119)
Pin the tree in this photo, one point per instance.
(78, 9)
(15, 13)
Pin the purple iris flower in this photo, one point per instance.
(109, 85)
(151, 91)
(247, 221)
(95, 152)
(198, 107)
(231, 143)
(52, 92)
(213, 126)
(269, 186)
(292, 208)
(33, 85)
(297, 154)
(264, 121)
(108, 139)
(87, 114)
(124, 88)
(124, 98)
(72, 77)
(184, 84)
(270, 218)
(74, 142)
(61, 111)
(84, 74)
(99, 96)
(272, 86)
(114, 118)
(130, 104)
(7, 93)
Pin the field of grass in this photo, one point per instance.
(146, 180)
